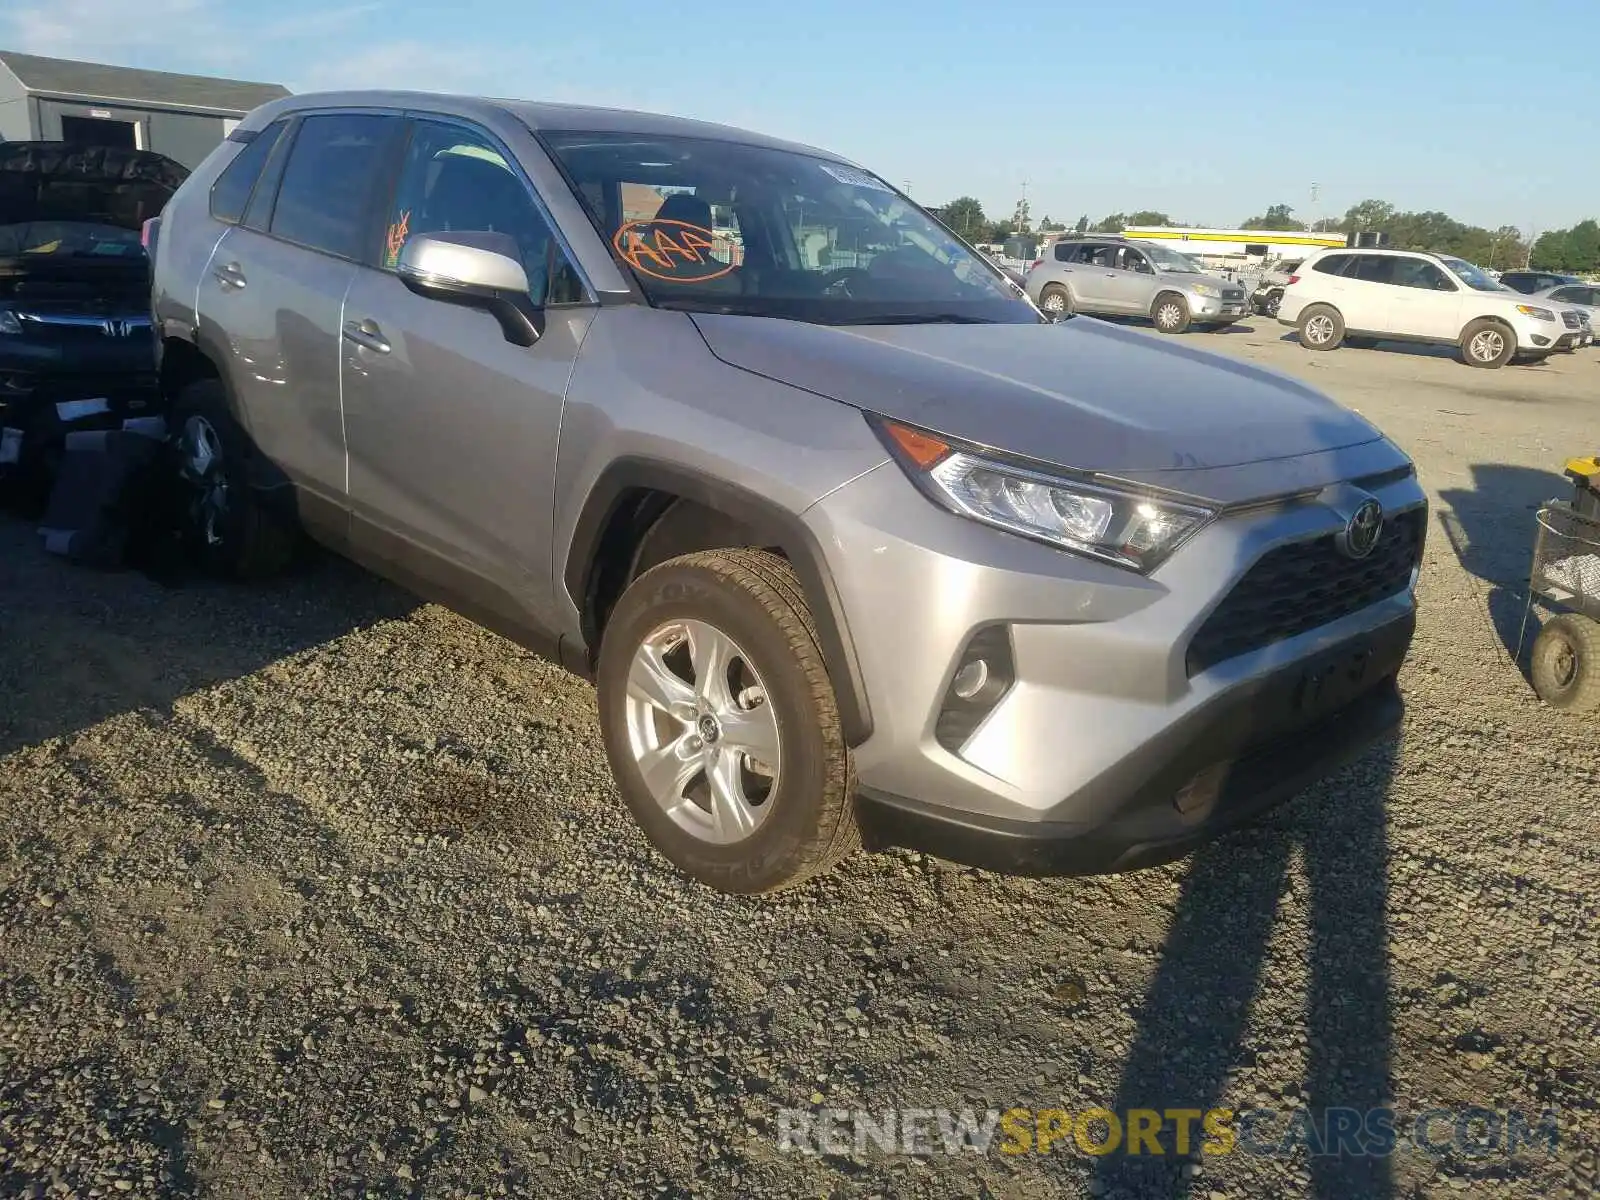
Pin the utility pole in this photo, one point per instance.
(1314, 189)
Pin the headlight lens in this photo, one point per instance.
(1207, 289)
(1108, 523)
(1538, 314)
(9, 322)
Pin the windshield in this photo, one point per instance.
(1171, 261)
(68, 239)
(713, 226)
(1473, 277)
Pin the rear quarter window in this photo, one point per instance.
(230, 194)
(1333, 264)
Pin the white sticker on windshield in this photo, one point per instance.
(856, 178)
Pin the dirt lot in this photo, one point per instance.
(310, 890)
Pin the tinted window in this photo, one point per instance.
(1419, 273)
(1333, 264)
(1100, 256)
(329, 180)
(1066, 252)
(1526, 284)
(231, 192)
(456, 181)
(1372, 268)
(1571, 295)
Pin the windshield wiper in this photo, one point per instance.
(946, 318)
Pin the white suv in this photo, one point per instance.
(1356, 297)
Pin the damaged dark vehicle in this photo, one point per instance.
(76, 345)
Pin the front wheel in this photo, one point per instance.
(1273, 303)
(1487, 343)
(720, 722)
(1170, 313)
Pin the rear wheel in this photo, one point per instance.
(1170, 313)
(1321, 328)
(1056, 300)
(1565, 667)
(720, 723)
(1273, 302)
(229, 530)
(1487, 343)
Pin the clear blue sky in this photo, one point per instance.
(1210, 112)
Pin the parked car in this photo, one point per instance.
(1267, 291)
(1356, 297)
(75, 336)
(1585, 297)
(1112, 276)
(1529, 282)
(866, 553)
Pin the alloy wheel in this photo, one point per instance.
(201, 465)
(702, 731)
(1319, 329)
(1487, 345)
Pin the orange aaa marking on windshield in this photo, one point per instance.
(674, 251)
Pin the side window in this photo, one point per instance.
(1101, 256)
(456, 181)
(1333, 264)
(329, 181)
(1569, 295)
(1373, 268)
(231, 192)
(1419, 273)
(1066, 252)
(1132, 260)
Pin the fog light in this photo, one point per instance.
(970, 679)
(980, 681)
(1540, 340)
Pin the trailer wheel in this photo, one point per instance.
(1565, 669)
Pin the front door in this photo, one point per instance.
(1424, 301)
(1092, 276)
(452, 429)
(1131, 287)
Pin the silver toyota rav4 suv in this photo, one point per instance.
(856, 544)
(1109, 275)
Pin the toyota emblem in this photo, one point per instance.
(1362, 531)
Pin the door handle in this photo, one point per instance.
(230, 275)
(366, 333)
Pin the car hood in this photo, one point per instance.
(55, 181)
(1081, 394)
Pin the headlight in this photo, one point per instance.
(1206, 289)
(1110, 523)
(9, 322)
(1538, 314)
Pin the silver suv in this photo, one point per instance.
(856, 543)
(1113, 276)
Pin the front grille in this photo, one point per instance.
(1570, 319)
(1305, 585)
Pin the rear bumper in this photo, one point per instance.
(1225, 763)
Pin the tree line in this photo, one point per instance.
(1575, 250)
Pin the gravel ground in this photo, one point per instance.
(307, 889)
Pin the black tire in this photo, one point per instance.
(1273, 302)
(755, 599)
(1565, 665)
(1488, 344)
(229, 531)
(1054, 292)
(1170, 313)
(1321, 328)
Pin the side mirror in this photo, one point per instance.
(479, 270)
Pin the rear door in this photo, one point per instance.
(1367, 294)
(276, 291)
(1093, 273)
(1424, 302)
(452, 429)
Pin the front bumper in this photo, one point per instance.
(1105, 717)
(1212, 310)
(1215, 769)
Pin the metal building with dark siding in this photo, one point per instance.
(181, 116)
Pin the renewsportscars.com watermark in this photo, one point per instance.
(1376, 1132)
